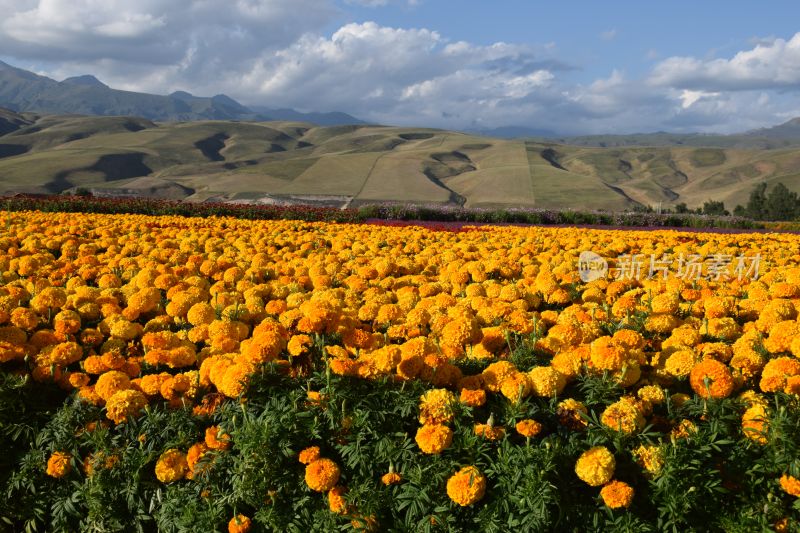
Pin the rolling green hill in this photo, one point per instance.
(276, 162)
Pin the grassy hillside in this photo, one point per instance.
(353, 165)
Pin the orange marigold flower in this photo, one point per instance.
(467, 486)
(617, 494)
(217, 439)
(711, 379)
(239, 524)
(336, 501)
(489, 431)
(322, 475)
(59, 464)
(193, 456)
(111, 383)
(528, 428)
(473, 397)
(309, 455)
(434, 438)
(790, 485)
(391, 478)
(776, 372)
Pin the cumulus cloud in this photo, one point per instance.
(770, 64)
(400, 75)
(198, 35)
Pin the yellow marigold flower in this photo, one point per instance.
(391, 478)
(239, 524)
(528, 428)
(617, 494)
(570, 413)
(605, 354)
(751, 398)
(25, 319)
(661, 323)
(781, 336)
(624, 416)
(235, 380)
(467, 486)
(495, 373)
(110, 383)
(568, 364)
(546, 382)
(711, 379)
(124, 404)
(724, 328)
(652, 394)
(596, 466)
(651, 458)
(683, 429)
(309, 455)
(436, 406)
(434, 438)
(516, 386)
(171, 466)
(680, 363)
(299, 344)
(790, 485)
(716, 350)
(322, 475)
(59, 465)
(666, 303)
(755, 423)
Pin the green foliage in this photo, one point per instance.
(712, 480)
(780, 204)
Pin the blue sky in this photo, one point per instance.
(596, 36)
(567, 67)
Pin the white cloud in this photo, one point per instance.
(609, 35)
(770, 64)
(688, 98)
(154, 32)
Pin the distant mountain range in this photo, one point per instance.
(22, 90)
(782, 136)
(25, 91)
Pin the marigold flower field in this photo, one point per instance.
(216, 374)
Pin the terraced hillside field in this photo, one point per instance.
(351, 165)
